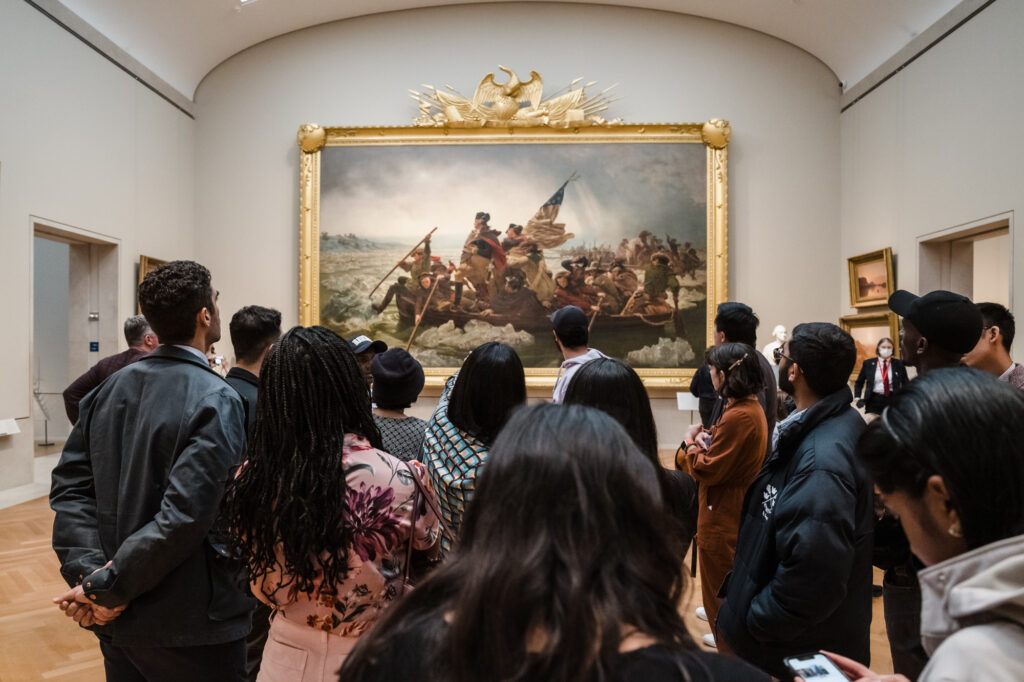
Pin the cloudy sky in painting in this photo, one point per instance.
(396, 194)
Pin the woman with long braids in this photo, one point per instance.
(725, 460)
(474, 405)
(322, 516)
(559, 576)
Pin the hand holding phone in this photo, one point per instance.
(703, 439)
(815, 667)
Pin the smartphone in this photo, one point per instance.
(815, 668)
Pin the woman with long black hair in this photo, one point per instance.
(559, 576)
(615, 388)
(946, 459)
(474, 405)
(322, 516)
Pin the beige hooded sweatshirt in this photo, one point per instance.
(972, 615)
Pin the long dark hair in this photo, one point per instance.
(549, 554)
(290, 493)
(741, 367)
(614, 387)
(966, 427)
(491, 384)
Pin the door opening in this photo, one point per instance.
(75, 318)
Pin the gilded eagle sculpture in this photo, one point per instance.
(511, 104)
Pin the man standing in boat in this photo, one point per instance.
(481, 230)
(659, 279)
(513, 237)
(420, 264)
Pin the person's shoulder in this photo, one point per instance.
(660, 664)
(414, 423)
(990, 651)
(828, 447)
(1016, 377)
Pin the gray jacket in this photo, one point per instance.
(140, 484)
(972, 615)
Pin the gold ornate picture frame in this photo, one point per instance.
(871, 278)
(867, 329)
(147, 265)
(337, 233)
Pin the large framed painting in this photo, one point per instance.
(440, 239)
(871, 278)
(867, 329)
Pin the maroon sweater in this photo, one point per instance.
(95, 375)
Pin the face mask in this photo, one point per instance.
(884, 352)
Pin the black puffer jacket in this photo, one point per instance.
(801, 579)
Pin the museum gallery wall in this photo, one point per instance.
(781, 102)
(934, 146)
(86, 147)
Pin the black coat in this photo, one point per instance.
(897, 379)
(801, 579)
(140, 484)
(247, 384)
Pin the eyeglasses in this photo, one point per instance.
(778, 355)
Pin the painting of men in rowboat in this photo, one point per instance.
(442, 248)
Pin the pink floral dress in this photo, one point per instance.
(380, 499)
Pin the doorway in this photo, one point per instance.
(974, 260)
(74, 322)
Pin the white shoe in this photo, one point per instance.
(702, 614)
(709, 640)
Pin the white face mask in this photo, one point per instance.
(885, 352)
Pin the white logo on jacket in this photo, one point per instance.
(768, 505)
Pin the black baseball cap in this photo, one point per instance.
(948, 320)
(569, 319)
(361, 343)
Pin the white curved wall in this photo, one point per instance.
(782, 102)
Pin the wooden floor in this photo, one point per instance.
(38, 643)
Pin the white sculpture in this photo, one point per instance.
(779, 334)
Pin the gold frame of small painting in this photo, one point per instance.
(885, 319)
(147, 264)
(865, 292)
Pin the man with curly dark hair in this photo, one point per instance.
(136, 494)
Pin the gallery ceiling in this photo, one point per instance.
(183, 40)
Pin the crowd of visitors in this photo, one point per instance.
(291, 522)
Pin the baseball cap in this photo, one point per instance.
(361, 343)
(948, 320)
(569, 319)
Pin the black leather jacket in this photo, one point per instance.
(801, 578)
(140, 484)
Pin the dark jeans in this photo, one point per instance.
(901, 594)
(211, 663)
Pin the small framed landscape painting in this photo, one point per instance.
(871, 278)
(867, 329)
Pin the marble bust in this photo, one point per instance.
(779, 334)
